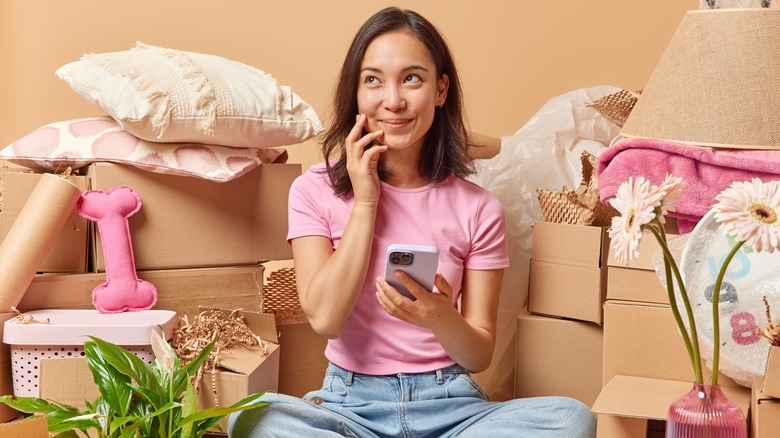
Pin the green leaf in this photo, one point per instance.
(112, 384)
(127, 363)
(191, 369)
(29, 405)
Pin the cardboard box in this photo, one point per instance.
(637, 280)
(25, 427)
(69, 251)
(242, 372)
(302, 361)
(6, 381)
(181, 290)
(189, 222)
(642, 340)
(627, 405)
(568, 275)
(558, 357)
(770, 386)
(302, 358)
(764, 412)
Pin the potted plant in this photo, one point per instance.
(137, 400)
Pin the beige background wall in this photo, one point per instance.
(514, 55)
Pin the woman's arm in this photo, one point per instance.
(329, 281)
(468, 337)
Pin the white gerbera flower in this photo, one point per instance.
(636, 202)
(672, 188)
(749, 212)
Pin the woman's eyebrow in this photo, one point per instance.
(405, 69)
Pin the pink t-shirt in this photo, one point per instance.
(464, 221)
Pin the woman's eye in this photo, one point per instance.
(371, 80)
(412, 78)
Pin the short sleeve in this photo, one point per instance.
(305, 214)
(489, 245)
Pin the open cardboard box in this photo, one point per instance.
(242, 372)
(568, 275)
(68, 253)
(627, 405)
(770, 384)
(764, 412)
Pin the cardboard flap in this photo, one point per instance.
(244, 360)
(641, 397)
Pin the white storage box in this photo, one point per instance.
(32, 338)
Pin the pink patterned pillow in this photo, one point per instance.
(79, 142)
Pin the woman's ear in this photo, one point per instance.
(441, 90)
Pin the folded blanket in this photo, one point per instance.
(705, 170)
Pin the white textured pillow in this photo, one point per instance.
(79, 142)
(168, 95)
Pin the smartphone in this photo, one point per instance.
(417, 261)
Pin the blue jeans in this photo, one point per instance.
(443, 403)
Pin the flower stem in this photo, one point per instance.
(716, 312)
(691, 340)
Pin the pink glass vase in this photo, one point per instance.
(705, 412)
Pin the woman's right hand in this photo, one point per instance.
(363, 161)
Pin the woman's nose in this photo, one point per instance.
(394, 99)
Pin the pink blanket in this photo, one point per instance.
(706, 171)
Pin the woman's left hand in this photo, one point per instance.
(430, 308)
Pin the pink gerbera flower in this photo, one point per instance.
(749, 212)
(636, 202)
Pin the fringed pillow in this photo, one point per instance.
(168, 95)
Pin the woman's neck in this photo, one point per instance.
(403, 169)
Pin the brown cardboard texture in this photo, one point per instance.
(26, 427)
(637, 280)
(568, 271)
(302, 358)
(632, 401)
(770, 386)
(243, 371)
(69, 251)
(6, 380)
(764, 412)
(180, 290)
(189, 222)
(642, 340)
(558, 357)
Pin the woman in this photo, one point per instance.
(400, 366)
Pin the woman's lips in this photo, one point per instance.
(395, 123)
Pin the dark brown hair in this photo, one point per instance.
(445, 146)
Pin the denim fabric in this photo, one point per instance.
(443, 403)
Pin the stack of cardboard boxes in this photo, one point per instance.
(201, 243)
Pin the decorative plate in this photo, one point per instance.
(749, 277)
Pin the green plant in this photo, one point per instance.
(137, 400)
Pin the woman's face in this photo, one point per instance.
(399, 90)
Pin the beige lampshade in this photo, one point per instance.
(717, 84)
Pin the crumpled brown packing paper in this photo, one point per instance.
(580, 206)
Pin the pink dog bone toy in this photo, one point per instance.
(123, 290)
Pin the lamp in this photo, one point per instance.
(716, 84)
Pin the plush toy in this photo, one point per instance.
(123, 290)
